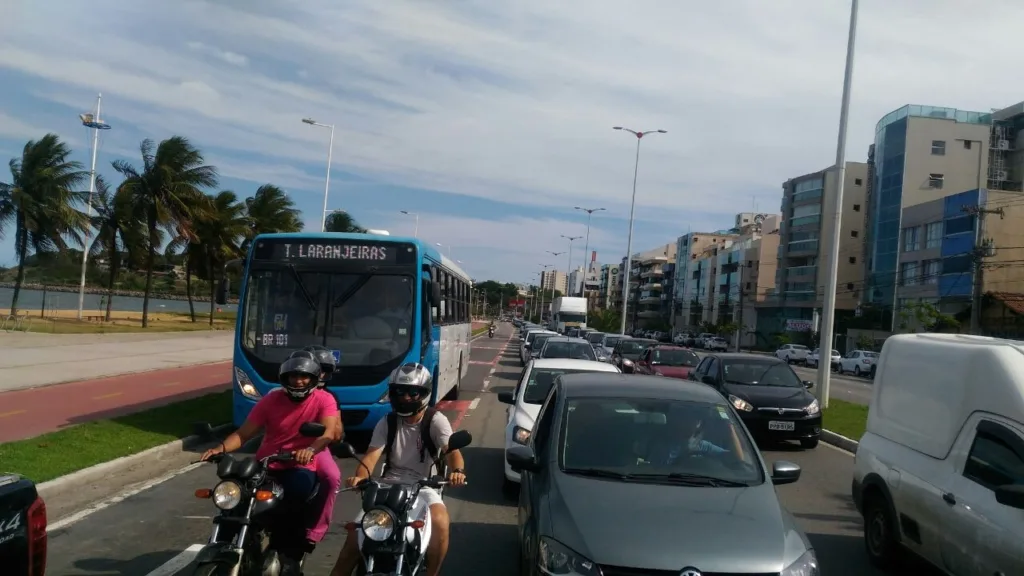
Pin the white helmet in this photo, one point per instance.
(409, 388)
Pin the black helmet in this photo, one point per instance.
(410, 377)
(300, 362)
(324, 357)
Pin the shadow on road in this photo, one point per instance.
(490, 549)
(485, 469)
(844, 555)
(134, 567)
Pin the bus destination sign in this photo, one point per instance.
(313, 251)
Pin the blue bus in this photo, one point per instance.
(376, 300)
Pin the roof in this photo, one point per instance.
(568, 339)
(670, 347)
(571, 364)
(637, 386)
(1013, 301)
(745, 356)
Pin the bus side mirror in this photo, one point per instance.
(222, 292)
(435, 293)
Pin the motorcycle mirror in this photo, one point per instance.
(459, 440)
(343, 450)
(312, 429)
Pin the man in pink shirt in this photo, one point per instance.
(279, 415)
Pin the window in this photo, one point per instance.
(935, 181)
(959, 225)
(957, 264)
(854, 233)
(909, 272)
(967, 144)
(858, 182)
(849, 285)
(933, 235)
(932, 269)
(995, 458)
(938, 147)
(435, 275)
(911, 239)
(856, 207)
(545, 419)
(758, 372)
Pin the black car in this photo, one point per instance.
(767, 394)
(628, 350)
(626, 475)
(22, 527)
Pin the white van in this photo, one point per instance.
(940, 469)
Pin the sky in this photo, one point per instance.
(493, 120)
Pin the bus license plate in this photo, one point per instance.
(785, 426)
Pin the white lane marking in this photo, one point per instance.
(486, 384)
(196, 517)
(174, 565)
(117, 499)
(492, 372)
(473, 404)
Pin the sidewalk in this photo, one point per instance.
(29, 360)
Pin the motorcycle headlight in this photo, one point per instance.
(813, 408)
(378, 525)
(520, 435)
(740, 404)
(245, 385)
(558, 560)
(227, 495)
(806, 565)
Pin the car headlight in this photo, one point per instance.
(806, 565)
(558, 560)
(740, 404)
(227, 495)
(520, 435)
(813, 408)
(245, 385)
(378, 525)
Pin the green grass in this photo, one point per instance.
(846, 418)
(58, 453)
(479, 330)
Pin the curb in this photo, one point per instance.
(840, 441)
(92, 474)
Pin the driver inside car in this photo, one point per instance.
(409, 388)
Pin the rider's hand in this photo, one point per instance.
(211, 452)
(456, 478)
(304, 456)
(353, 481)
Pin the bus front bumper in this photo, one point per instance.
(354, 417)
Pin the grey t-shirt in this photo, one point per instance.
(405, 454)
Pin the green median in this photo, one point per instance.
(477, 331)
(846, 418)
(59, 453)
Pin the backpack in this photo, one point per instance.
(427, 441)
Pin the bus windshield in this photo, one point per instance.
(367, 318)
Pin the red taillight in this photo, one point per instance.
(37, 538)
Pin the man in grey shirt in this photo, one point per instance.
(408, 461)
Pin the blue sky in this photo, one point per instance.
(492, 120)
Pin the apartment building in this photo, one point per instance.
(645, 286)
(609, 288)
(553, 279)
(586, 281)
(805, 237)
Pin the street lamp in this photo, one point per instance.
(632, 206)
(416, 232)
(569, 271)
(586, 245)
(89, 121)
(330, 152)
(443, 246)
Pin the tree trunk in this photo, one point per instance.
(213, 290)
(188, 286)
(22, 248)
(115, 265)
(150, 262)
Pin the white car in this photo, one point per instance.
(792, 353)
(717, 343)
(524, 346)
(859, 362)
(530, 392)
(813, 357)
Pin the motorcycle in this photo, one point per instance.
(249, 501)
(394, 526)
(490, 332)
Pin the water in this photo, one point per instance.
(33, 300)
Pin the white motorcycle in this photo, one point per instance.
(394, 525)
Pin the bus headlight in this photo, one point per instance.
(378, 525)
(385, 398)
(227, 495)
(245, 385)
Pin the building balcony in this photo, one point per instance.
(650, 299)
(654, 260)
(648, 313)
(652, 273)
(651, 286)
(800, 248)
(805, 273)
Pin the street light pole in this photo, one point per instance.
(540, 311)
(94, 122)
(569, 271)
(416, 232)
(632, 207)
(829, 308)
(330, 153)
(586, 243)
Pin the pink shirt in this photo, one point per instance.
(280, 419)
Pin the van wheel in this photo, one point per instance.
(880, 540)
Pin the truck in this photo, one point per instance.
(22, 527)
(568, 312)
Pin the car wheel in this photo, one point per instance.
(856, 370)
(510, 489)
(809, 443)
(880, 540)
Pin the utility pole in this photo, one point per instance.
(741, 325)
(982, 249)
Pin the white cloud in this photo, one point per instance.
(515, 100)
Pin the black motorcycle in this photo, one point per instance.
(490, 332)
(251, 511)
(394, 530)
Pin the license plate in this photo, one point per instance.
(785, 426)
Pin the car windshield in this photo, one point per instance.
(539, 340)
(757, 372)
(669, 357)
(540, 382)
(367, 319)
(595, 337)
(799, 347)
(672, 441)
(634, 347)
(574, 350)
(531, 336)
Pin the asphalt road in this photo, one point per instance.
(151, 533)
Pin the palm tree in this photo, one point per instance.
(117, 225)
(270, 210)
(220, 232)
(165, 193)
(339, 221)
(40, 200)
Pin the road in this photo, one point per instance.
(28, 413)
(157, 531)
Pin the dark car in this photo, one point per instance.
(626, 475)
(23, 538)
(665, 360)
(627, 351)
(563, 347)
(767, 394)
(538, 343)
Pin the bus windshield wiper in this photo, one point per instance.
(302, 287)
(347, 294)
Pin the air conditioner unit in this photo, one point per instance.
(1002, 144)
(1000, 175)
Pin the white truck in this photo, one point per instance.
(568, 312)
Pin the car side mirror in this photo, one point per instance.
(312, 429)
(710, 380)
(506, 398)
(808, 384)
(784, 473)
(1011, 495)
(521, 458)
